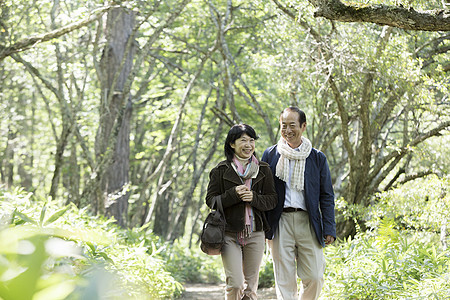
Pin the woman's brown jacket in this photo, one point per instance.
(223, 180)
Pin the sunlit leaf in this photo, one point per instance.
(56, 215)
(24, 217)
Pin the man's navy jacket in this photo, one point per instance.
(319, 195)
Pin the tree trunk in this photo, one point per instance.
(67, 124)
(117, 177)
(195, 221)
(59, 159)
(115, 66)
(72, 177)
(161, 208)
(26, 164)
(9, 159)
(180, 220)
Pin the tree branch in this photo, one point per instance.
(395, 16)
(344, 117)
(394, 179)
(415, 176)
(36, 39)
(222, 115)
(381, 118)
(398, 154)
(293, 16)
(228, 82)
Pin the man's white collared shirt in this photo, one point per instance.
(294, 198)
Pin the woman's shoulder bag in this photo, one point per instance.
(213, 232)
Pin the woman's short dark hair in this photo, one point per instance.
(236, 132)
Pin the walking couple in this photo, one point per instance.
(286, 197)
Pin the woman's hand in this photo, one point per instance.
(244, 193)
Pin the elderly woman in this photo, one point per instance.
(246, 189)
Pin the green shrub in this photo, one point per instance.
(422, 205)
(63, 253)
(386, 265)
(192, 265)
(400, 257)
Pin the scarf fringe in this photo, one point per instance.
(246, 176)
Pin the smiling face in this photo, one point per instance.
(244, 146)
(291, 130)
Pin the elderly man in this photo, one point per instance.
(303, 221)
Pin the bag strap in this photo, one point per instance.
(219, 207)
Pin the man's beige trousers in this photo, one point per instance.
(296, 252)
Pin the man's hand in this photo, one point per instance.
(328, 240)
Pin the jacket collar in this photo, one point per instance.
(231, 175)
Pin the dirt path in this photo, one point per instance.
(210, 291)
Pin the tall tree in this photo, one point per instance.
(115, 67)
(370, 96)
(110, 183)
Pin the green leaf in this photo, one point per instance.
(56, 215)
(105, 257)
(57, 286)
(25, 217)
(41, 219)
(92, 247)
(383, 265)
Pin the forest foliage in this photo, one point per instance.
(118, 110)
(183, 72)
(66, 253)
